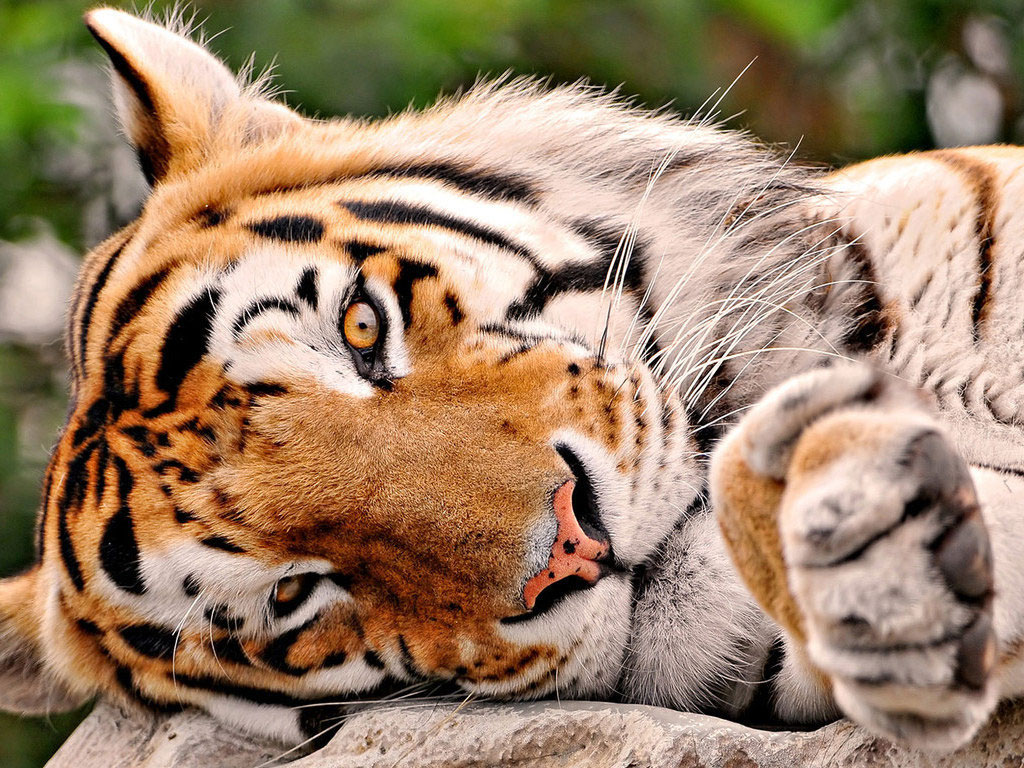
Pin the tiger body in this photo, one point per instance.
(599, 336)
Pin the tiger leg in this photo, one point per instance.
(861, 531)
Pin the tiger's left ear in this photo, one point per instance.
(174, 98)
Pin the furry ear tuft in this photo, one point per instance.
(174, 98)
(26, 686)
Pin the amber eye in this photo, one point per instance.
(292, 591)
(288, 589)
(362, 325)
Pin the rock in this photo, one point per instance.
(540, 735)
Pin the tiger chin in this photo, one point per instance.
(529, 394)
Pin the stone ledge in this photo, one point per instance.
(538, 735)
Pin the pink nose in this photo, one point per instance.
(573, 553)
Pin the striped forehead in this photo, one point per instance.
(501, 234)
(276, 265)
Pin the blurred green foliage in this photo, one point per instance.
(34, 38)
(846, 79)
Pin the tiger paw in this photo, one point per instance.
(878, 559)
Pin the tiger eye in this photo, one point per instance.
(288, 589)
(362, 326)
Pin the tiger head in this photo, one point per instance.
(354, 404)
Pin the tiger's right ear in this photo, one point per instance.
(27, 686)
(174, 98)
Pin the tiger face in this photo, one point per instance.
(343, 415)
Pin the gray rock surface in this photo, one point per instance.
(540, 735)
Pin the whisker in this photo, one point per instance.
(738, 223)
(469, 697)
(746, 301)
(177, 635)
(619, 264)
(725, 93)
(785, 276)
(213, 646)
(300, 745)
(402, 693)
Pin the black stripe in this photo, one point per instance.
(149, 640)
(341, 580)
(41, 526)
(522, 349)
(1007, 470)
(182, 516)
(979, 175)
(275, 654)
(125, 680)
(319, 724)
(409, 273)
(393, 212)
(90, 304)
(102, 460)
(115, 385)
(185, 473)
(608, 240)
(586, 276)
(95, 418)
(76, 481)
(289, 229)
(228, 648)
(220, 616)
(119, 549)
(186, 343)
(219, 542)
(141, 436)
(211, 217)
(258, 307)
(190, 585)
(88, 627)
(266, 389)
(407, 660)
(452, 304)
(245, 692)
(307, 290)
(334, 659)
(511, 332)
(359, 251)
(871, 327)
(130, 306)
(494, 185)
(153, 150)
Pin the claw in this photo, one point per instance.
(964, 557)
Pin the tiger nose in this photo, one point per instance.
(574, 554)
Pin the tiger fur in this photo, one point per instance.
(649, 413)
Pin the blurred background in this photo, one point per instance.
(840, 80)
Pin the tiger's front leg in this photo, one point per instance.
(856, 525)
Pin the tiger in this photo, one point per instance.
(531, 393)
